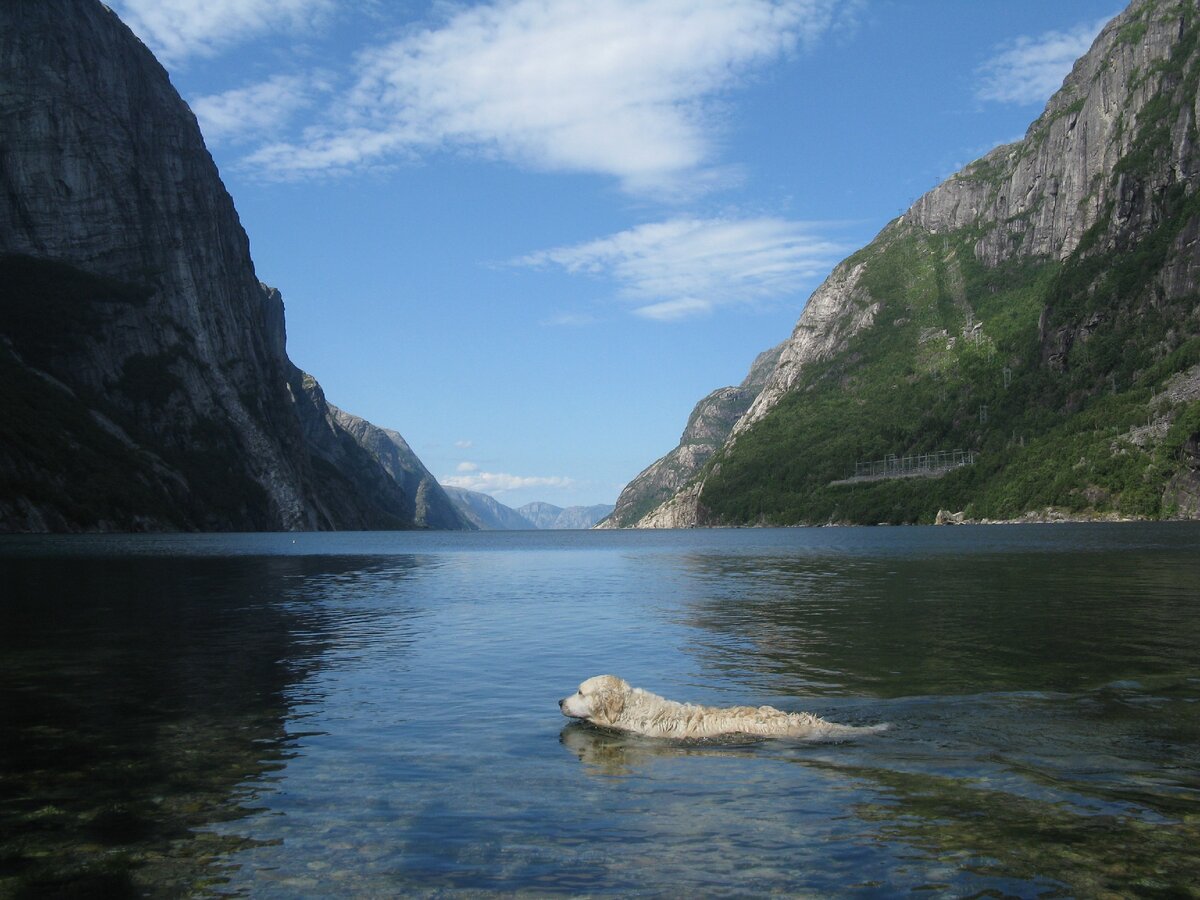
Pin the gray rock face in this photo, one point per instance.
(1071, 188)
(145, 367)
(710, 424)
(371, 461)
(426, 503)
(837, 311)
(581, 517)
(542, 515)
(486, 513)
(1044, 192)
(549, 516)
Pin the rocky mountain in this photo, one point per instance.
(549, 516)
(427, 502)
(577, 517)
(144, 381)
(539, 514)
(708, 427)
(1037, 312)
(487, 513)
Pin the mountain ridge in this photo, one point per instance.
(1035, 308)
(548, 516)
(488, 514)
(485, 512)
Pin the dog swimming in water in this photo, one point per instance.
(609, 701)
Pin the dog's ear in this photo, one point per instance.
(608, 702)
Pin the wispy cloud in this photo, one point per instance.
(178, 29)
(1030, 69)
(618, 87)
(499, 482)
(257, 111)
(686, 267)
(570, 320)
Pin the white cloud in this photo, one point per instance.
(464, 444)
(466, 467)
(254, 111)
(1030, 69)
(499, 482)
(673, 310)
(178, 29)
(686, 267)
(617, 87)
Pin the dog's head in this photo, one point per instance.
(599, 700)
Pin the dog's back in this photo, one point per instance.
(655, 716)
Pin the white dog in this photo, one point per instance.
(609, 701)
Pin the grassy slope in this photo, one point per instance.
(1051, 438)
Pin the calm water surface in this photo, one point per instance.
(375, 714)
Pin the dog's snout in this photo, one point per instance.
(560, 703)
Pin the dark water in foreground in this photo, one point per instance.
(332, 715)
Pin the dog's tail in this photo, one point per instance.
(832, 731)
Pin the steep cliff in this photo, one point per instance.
(144, 382)
(1038, 308)
(708, 427)
(425, 501)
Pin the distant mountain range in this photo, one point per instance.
(1036, 316)
(488, 514)
(547, 515)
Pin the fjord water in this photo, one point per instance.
(375, 714)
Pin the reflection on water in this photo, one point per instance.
(946, 623)
(612, 753)
(375, 715)
(143, 699)
(128, 719)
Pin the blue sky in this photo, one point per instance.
(529, 235)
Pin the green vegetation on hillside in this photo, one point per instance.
(1054, 372)
(931, 375)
